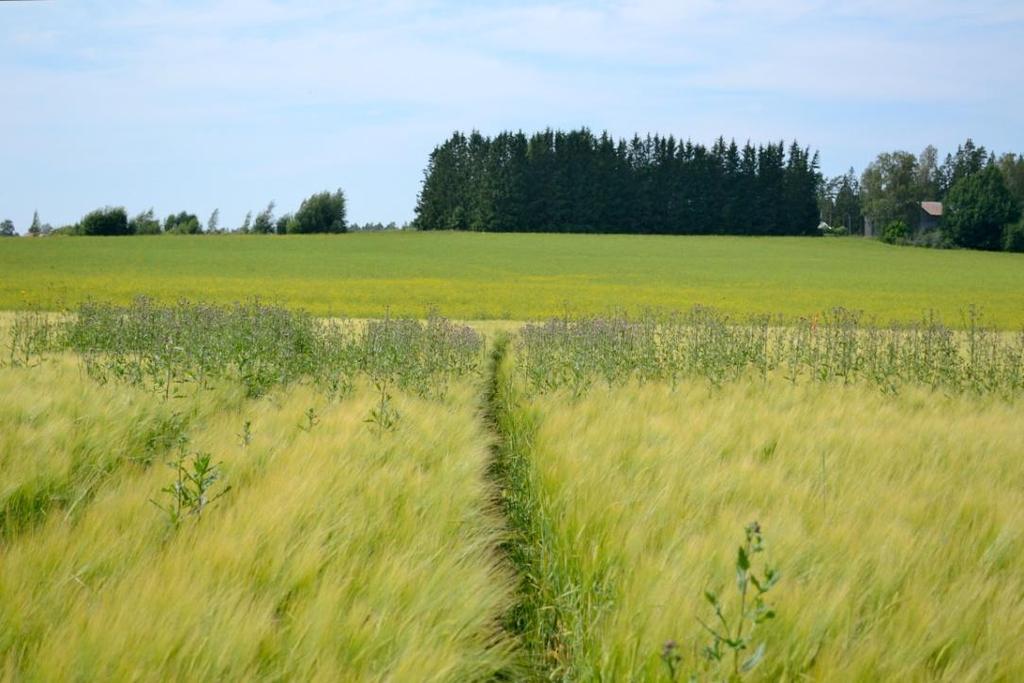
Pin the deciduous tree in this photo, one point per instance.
(264, 223)
(183, 223)
(110, 220)
(144, 223)
(889, 189)
(322, 212)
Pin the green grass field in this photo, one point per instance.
(518, 277)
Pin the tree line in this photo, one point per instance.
(982, 195)
(557, 181)
(324, 212)
(575, 181)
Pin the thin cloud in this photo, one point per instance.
(290, 97)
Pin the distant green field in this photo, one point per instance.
(517, 277)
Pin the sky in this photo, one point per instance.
(229, 104)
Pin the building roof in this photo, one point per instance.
(932, 208)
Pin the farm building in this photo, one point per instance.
(931, 214)
(928, 219)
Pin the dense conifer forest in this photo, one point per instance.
(558, 181)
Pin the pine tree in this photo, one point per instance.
(36, 228)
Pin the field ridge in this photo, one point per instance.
(553, 609)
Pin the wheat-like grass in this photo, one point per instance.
(338, 554)
(897, 522)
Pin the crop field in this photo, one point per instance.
(518, 276)
(512, 342)
(248, 492)
(891, 523)
(288, 516)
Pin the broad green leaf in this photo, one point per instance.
(742, 560)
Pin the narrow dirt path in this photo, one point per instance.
(535, 618)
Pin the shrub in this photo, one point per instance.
(110, 220)
(833, 230)
(933, 239)
(896, 232)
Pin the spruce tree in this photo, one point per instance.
(979, 208)
(36, 228)
(578, 182)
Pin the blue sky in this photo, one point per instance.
(232, 103)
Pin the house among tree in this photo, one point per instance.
(928, 219)
(931, 214)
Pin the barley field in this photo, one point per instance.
(314, 523)
(893, 522)
(249, 492)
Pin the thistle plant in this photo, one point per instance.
(383, 414)
(191, 491)
(170, 348)
(673, 660)
(312, 420)
(32, 335)
(732, 630)
(837, 346)
(245, 436)
(180, 349)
